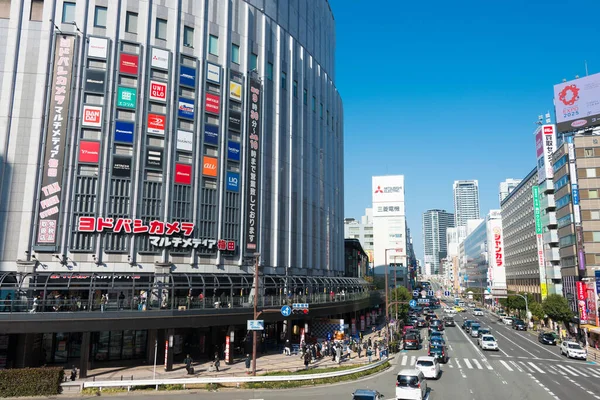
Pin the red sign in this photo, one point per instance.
(89, 152)
(582, 302)
(158, 91)
(227, 344)
(183, 174)
(213, 103)
(92, 116)
(156, 124)
(549, 130)
(498, 247)
(128, 64)
(166, 352)
(581, 291)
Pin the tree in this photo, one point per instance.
(403, 295)
(537, 311)
(557, 308)
(518, 303)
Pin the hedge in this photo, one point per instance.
(31, 382)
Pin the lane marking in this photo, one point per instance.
(467, 363)
(413, 360)
(525, 350)
(525, 366)
(514, 363)
(577, 371)
(477, 364)
(533, 378)
(567, 370)
(593, 373)
(404, 360)
(506, 365)
(541, 371)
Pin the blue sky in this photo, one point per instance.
(440, 91)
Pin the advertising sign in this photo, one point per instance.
(156, 124)
(575, 193)
(128, 64)
(95, 81)
(121, 166)
(233, 181)
(211, 135)
(392, 208)
(185, 141)
(576, 103)
(535, 190)
(591, 304)
(92, 116)
(582, 301)
(186, 108)
(213, 103)
(545, 146)
(56, 134)
(388, 188)
(183, 174)
(97, 47)
(209, 166)
(213, 73)
(154, 158)
(159, 58)
(253, 173)
(235, 91)
(124, 131)
(597, 276)
(158, 91)
(233, 151)
(235, 120)
(187, 76)
(89, 152)
(126, 97)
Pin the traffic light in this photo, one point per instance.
(300, 308)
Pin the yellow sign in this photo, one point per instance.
(370, 255)
(543, 290)
(235, 91)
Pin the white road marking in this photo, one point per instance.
(404, 360)
(477, 364)
(577, 371)
(593, 373)
(468, 363)
(514, 363)
(506, 365)
(525, 350)
(567, 370)
(541, 371)
(525, 366)
(413, 360)
(555, 397)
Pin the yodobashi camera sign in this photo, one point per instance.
(577, 103)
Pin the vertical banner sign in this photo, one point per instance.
(254, 119)
(56, 136)
(582, 301)
(540, 240)
(362, 323)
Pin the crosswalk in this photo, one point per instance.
(517, 366)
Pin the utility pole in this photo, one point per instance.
(255, 313)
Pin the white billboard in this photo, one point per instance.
(97, 47)
(389, 233)
(160, 58)
(388, 189)
(390, 209)
(545, 139)
(495, 249)
(576, 103)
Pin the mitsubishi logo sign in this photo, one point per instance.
(389, 189)
(378, 190)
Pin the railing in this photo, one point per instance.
(50, 305)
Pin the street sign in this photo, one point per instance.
(300, 305)
(412, 303)
(256, 325)
(423, 293)
(286, 311)
(438, 294)
(447, 293)
(416, 292)
(430, 293)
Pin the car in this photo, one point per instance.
(439, 351)
(406, 328)
(449, 321)
(411, 342)
(437, 341)
(488, 342)
(438, 324)
(367, 394)
(429, 366)
(421, 323)
(458, 309)
(519, 325)
(416, 332)
(474, 330)
(433, 330)
(437, 335)
(507, 320)
(411, 385)
(471, 305)
(478, 312)
(573, 350)
(465, 323)
(484, 331)
(547, 338)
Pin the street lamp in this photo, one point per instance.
(526, 306)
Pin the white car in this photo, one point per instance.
(507, 320)
(478, 312)
(488, 342)
(429, 366)
(411, 385)
(573, 350)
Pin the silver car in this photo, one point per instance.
(475, 330)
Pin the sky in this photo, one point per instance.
(440, 91)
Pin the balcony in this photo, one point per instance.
(549, 219)
(552, 254)
(547, 186)
(547, 202)
(551, 236)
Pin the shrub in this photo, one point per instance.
(31, 382)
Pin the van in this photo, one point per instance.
(411, 385)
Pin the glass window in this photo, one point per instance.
(327, 117)
(68, 14)
(321, 110)
(4, 9)
(283, 80)
(161, 29)
(305, 97)
(588, 152)
(593, 194)
(270, 71)
(593, 215)
(563, 201)
(253, 62)
(188, 36)
(561, 161)
(314, 104)
(37, 8)
(100, 17)
(235, 53)
(561, 182)
(590, 172)
(131, 22)
(596, 236)
(213, 45)
(295, 88)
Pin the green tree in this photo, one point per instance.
(400, 294)
(476, 293)
(537, 311)
(557, 308)
(379, 282)
(518, 303)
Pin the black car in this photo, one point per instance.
(439, 352)
(547, 338)
(416, 332)
(449, 321)
(411, 342)
(437, 323)
(519, 325)
(421, 323)
(466, 322)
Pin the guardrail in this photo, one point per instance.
(235, 379)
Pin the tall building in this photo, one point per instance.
(361, 230)
(454, 236)
(507, 187)
(389, 220)
(435, 224)
(466, 201)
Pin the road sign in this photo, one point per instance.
(423, 293)
(286, 311)
(412, 303)
(416, 292)
(438, 294)
(447, 293)
(431, 293)
(256, 325)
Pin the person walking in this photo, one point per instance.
(287, 349)
(248, 361)
(306, 360)
(188, 365)
(217, 362)
(369, 353)
(338, 354)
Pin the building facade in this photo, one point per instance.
(356, 261)
(435, 225)
(454, 236)
(507, 187)
(361, 230)
(466, 201)
(389, 221)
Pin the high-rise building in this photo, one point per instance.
(389, 220)
(466, 201)
(507, 187)
(435, 224)
(361, 230)
(454, 236)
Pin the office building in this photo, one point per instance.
(507, 187)
(389, 220)
(361, 230)
(454, 236)
(435, 224)
(466, 201)
(356, 261)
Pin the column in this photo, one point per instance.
(84, 357)
(168, 349)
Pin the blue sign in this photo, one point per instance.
(430, 293)
(124, 131)
(187, 76)
(447, 293)
(233, 151)
(286, 311)
(233, 181)
(575, 193)
(211, 135)
(415, 293)
(412, 303)
(186, 108)
(597, 273)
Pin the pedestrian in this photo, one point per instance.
(359, 350)
(248, 361)
(217, 362)
(338, 354)
(306, 360)
(188, 365)
(103, 302)
(369, 353)
(34, 305)
(74, 373)
(287, 348)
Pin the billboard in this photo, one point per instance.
(186, 108)
(183, 174)
(213, 73)
(233, 151)
(545, 145)
(388, 188)
(89, 152)
(185, 141)
(233, 181)
(235, 120)
(392, 208)
(576, 103)
(124, 131)
(154, 158)
(213, 103)
(253, 160)
(95, 81)
(159, 58)
(126, 97)
(209, 166)
(97, 47)
(495, 253)
(156, 124)
(187, 76)
(128, 64)
(121, 166)
(235, 91)
(582, 301)
(158, 91)
(50, 199)
(211, 135)
(92, 116)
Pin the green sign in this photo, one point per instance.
(536, 210)
(126, 97)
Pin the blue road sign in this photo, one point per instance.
(286, 311)
(415, 293)
(447, 293)
(430, 293)
(412, 303)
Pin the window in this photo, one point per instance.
(270, 71)
(328, 117)
(235, 53)
(321, 110)
(305, 97)
(558, 164)
(559, 183)
(100, 17)
(590, 172)
(161, 29)
(68, 14)
(588, 152)
(563, 201)
(253, 62)
(596, 236)
(283, 80)
(295, 89)
(131, 22)
(593, 194)
(37, 8)
(594, 214)
(314, 104)
(213, 45)
(188, 36)
(4, 9)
